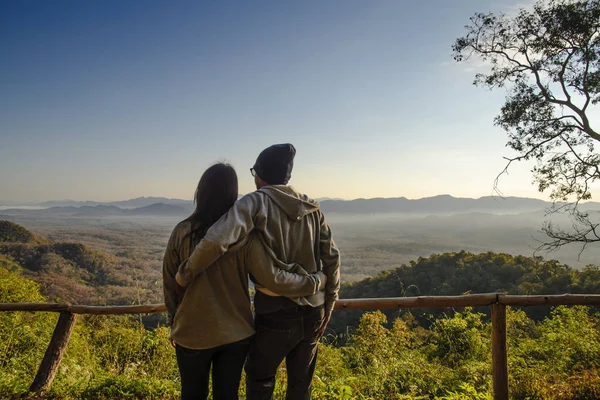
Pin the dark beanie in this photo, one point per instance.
(275, 163)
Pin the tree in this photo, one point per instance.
(548, 59)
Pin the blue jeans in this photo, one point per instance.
(289, 334)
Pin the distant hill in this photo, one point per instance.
(96, 210)
(442, 204)
(155, 209)
(14, 233)
(132, 203)
(437, 204)
(148, 201)
(68, 271)
(160, 209)
(67, 203)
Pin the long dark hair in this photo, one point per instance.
(216, 192)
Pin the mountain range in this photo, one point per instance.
(155, 209)
(131, 203)
(161, 206)
(442, 204)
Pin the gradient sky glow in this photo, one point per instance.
(108, 100)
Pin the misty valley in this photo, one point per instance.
(373, 235)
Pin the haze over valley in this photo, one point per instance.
(373, 234)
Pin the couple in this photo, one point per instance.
(277, 237)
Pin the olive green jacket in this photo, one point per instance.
(291, 226)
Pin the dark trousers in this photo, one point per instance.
(227, 363)
(289, 334)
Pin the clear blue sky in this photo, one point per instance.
(106, 100)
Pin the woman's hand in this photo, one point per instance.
(170, 325)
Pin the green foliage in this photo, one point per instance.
(466, 392)
(116, 357)
(558, 358)
(14, 233)
(23, 336)
(463, 272)
(106, 357)
(465, 337)
(15, 288)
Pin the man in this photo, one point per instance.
(293, 228)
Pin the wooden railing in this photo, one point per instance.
(497, 302)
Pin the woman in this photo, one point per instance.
(212, 320)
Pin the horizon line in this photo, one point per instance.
(324, 198)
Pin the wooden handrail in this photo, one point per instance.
(469, 300)
(550, 300)
(497, 301)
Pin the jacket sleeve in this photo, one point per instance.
(170, 264)
(330, 258)
(289, 280)
(227, 231)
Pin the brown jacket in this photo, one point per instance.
(290, 225)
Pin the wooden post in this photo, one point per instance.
(54, 353)
(499, 353)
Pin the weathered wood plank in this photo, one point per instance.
(471, 300)
(550, 300)
(107, 310)
(33, 307)
(417, 302)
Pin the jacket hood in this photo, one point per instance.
(295, 205)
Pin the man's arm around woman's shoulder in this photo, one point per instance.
(230, 229)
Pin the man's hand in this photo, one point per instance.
(180, 280)
(172, 343)
(322, 280)
(323, 326)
